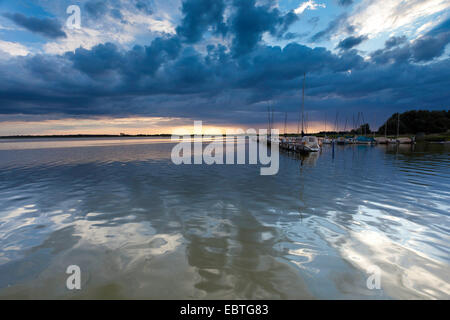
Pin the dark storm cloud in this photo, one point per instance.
(444, 27)
(172, 77)
(165, 79)
(429, 47)
(250, 22)
(96, 9)
(198, 16)
(82, 82)
(333, 26)
(144, 6)
(97, 61)
(394, 42)
(351, 42)
(99, 9)
(294, 35)
(140, 61)
(47, 27)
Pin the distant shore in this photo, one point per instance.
(84, 136)
(442, 137)
(434, 137)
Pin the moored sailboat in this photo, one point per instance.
(307, 143)
(365, 140)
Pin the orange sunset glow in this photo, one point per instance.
(133, 126)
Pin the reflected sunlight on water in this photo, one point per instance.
(141, 227)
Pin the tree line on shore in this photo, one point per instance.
(411, 122)
(415, 121)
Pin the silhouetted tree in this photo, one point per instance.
(412, 122)
(363, 129)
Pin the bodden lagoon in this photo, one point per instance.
(139, 226)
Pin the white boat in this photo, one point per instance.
(340, 140)
(309, 144)
(327, 141)
(365, 140)
(405, 140)
(350, 140)
(382, 140)
(391, 141)
(275, 140)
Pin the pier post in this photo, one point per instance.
(332, 148)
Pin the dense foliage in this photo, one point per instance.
(363, 129)
(412, 122)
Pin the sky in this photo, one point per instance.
(150, 66)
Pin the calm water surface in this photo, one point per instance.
(140, 227)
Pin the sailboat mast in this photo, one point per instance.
(272, 127)
(374, 124)
(363, 123)
(303, 104)
(306, 123)
(398, 125)
(357, 125)
(385, 128)
(285, 123)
